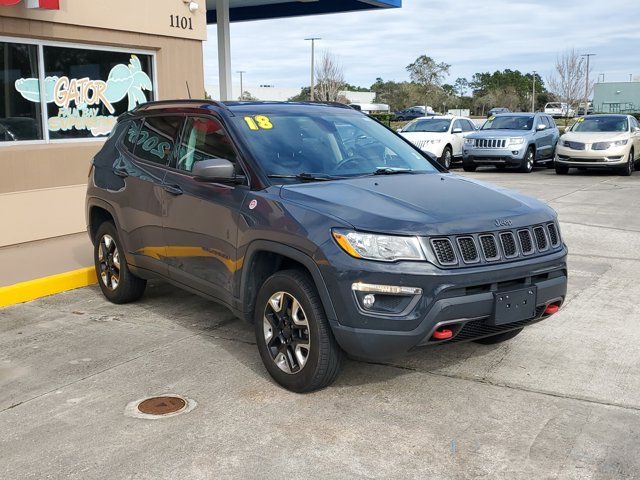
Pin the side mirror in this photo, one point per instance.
(214, 169)
(456, 130)
(541, 127)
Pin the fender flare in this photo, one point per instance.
(295, 254)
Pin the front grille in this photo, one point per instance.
(553, 234)
(490, 143)
(443, 249)
(495, 247)
(574, 145)
(480, 328)
(526, 242)
(509, 244)
(541, 239)
(489, 247)
(468, 250)
(420, 143)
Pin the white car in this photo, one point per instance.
(443, 136)
(559, 110)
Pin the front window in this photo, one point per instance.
(203, 139)
(435, 125)
(333, 145)
(601, 124)
(509, 122)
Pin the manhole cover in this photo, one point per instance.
(162, 405)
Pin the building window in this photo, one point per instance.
(20, 116)
(84, 89)
(88, 89)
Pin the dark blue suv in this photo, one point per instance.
(323, 228)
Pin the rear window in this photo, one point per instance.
(155, 140)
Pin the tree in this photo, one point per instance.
(246, 97)
(569, 78)
(330, 78)
(461, 86)
(507, 88)
(303, 96)
(428, 76)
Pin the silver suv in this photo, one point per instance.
(512, 139)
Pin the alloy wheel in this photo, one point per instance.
(286, 332)
(447, 158)
(109, 262)
(630, 163)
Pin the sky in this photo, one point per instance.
(470, 35)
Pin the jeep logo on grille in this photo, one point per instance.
(503, 222)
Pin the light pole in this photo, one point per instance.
(586, 86)
(631, 77)
(313, 63)
(241, 72)
(533, 94)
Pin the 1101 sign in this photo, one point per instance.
(178, 21)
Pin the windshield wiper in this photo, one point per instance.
(392, 171)
(307, 177)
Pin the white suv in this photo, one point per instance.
(442, 136)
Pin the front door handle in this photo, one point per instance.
(173, 189)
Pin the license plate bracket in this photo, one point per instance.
(514, 306)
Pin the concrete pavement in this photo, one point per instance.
(560, 401)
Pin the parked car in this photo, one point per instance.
(559, 110)
(512, 139)
(600, 141)
(322, 227)
(412, 113)
(497, 111)
(441, 135)
(589, 111)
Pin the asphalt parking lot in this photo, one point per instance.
(561, 400)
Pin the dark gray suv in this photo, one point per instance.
(323, 228)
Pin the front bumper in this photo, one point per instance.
(494, 156)
(461, 299)
(613, 157)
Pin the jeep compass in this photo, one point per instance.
(327, 231)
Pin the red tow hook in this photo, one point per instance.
(442, 334)
(551, 309)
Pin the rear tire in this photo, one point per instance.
(501, 337)
(528, 161)
(562, 169)
(116, 281)
(294, 338)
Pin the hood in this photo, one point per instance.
(426, 204)
(591, 137)
(499, 133)
(417, 136)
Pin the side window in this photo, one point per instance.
(203, 138)
(634, 123)
(467, 126)
(457, 124)
(130, 138)
(156, 139)
(552, 124)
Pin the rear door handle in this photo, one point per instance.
(173, 189)
(121, 172)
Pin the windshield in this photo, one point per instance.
(509, 122)
(437, 125)
(601, 124)
(333, 145)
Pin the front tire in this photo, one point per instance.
(447, 157)
(468, 166)
(501, 337)
(528, 161)
(116, 281)
(629, 167)
(294, 338)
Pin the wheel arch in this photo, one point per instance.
(98, 211)
(264, 258)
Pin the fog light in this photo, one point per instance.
(368, 300)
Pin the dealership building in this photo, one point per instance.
(68, 68)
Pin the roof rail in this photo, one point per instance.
(163, 103)
(332, 104)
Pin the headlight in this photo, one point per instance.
(516, 141)
(385, 248)
(607, 145)
(469, 141)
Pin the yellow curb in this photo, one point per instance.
(42, 287)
